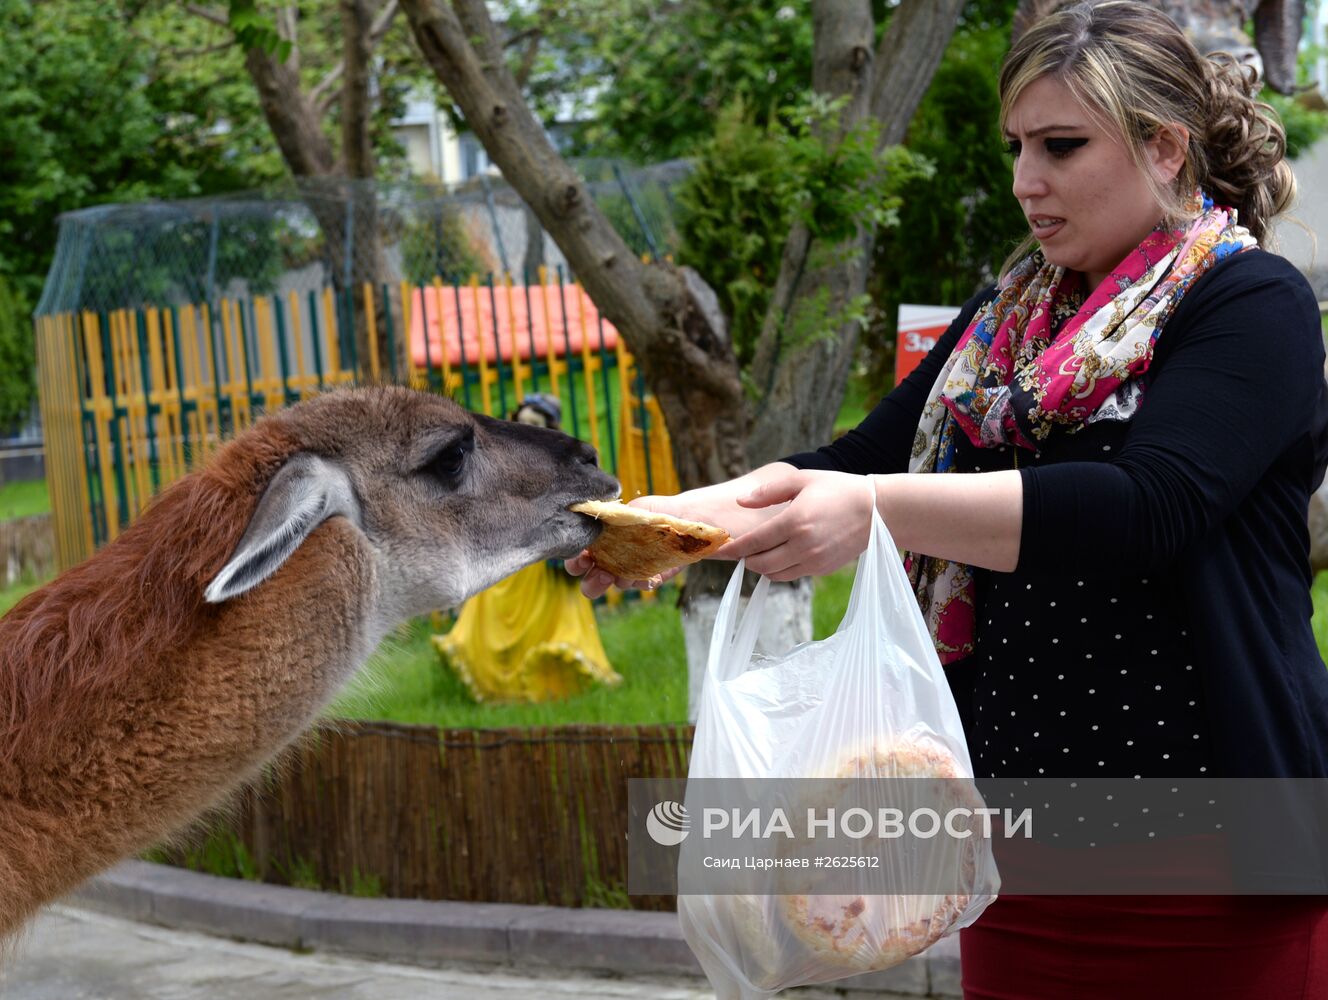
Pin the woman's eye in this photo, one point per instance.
(1061, 148)
(1012, 148)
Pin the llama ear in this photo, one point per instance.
(304, 493)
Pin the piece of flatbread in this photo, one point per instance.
(638, 544)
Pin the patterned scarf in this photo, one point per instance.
(1037, 360)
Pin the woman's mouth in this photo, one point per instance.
(1045, 226)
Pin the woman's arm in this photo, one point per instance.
(880, 443)
(972, 518)
(1242, 380)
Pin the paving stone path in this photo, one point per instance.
(74, 954)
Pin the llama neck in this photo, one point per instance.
(130, 763)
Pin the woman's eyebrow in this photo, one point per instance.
(1044, 129)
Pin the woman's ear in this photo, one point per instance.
(1167, 150)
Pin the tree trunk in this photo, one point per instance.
(802, 385)
(297, 127)
(356, 146)
(364, 240)
(294, 121)
(345, 209)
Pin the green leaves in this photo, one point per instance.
(847, 184)
(957, 225)
(646, 81)
(256, 31)
(16, 360)
(752, 182)
(1304, 125)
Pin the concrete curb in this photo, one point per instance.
(424, 932)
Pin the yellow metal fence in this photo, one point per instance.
(134, 399)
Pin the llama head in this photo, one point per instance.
(448, 501)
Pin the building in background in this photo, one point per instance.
(433, 148)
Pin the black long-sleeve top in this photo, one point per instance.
(1158, 620)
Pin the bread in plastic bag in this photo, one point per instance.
(870, 701)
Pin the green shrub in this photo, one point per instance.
(752, 181)
(18, 384)
(436, 243)
(1304, 125)
(735, 212)
(956, 228)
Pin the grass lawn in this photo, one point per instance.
(24, 499)
(11, 595)
(1319, 592)
(407, 681)
(859, 399)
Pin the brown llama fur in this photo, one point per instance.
(72, 649)
(129, 705)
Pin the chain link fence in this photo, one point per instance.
(320, 233)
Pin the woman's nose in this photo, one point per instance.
(1029, 181)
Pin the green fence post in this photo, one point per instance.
(150, 410)
(530, 334)
(316, 337)
(283, 358)
(185, 406)
(461, 341)
(572, 361)
(610, 411)
(390, 333)
(497, 349)
(121, 456)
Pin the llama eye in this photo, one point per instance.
(447, 464)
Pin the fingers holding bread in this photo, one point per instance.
(642, 545)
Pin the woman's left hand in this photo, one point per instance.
(826, 525)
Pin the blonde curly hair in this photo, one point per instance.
(1130, 64)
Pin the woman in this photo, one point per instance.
(1117, 576)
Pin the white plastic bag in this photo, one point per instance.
(870, 701)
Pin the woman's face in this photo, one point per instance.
(1086, 200)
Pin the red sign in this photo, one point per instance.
(919, 329)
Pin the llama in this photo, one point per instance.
(144, 686)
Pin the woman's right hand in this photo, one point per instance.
(717, 505)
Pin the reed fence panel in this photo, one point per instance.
(536, 815)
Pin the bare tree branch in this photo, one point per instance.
(383, 21)
(521, 36)
(209, 14)
(323, 95)
(528, 59)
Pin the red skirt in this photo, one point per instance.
(1145, 947)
